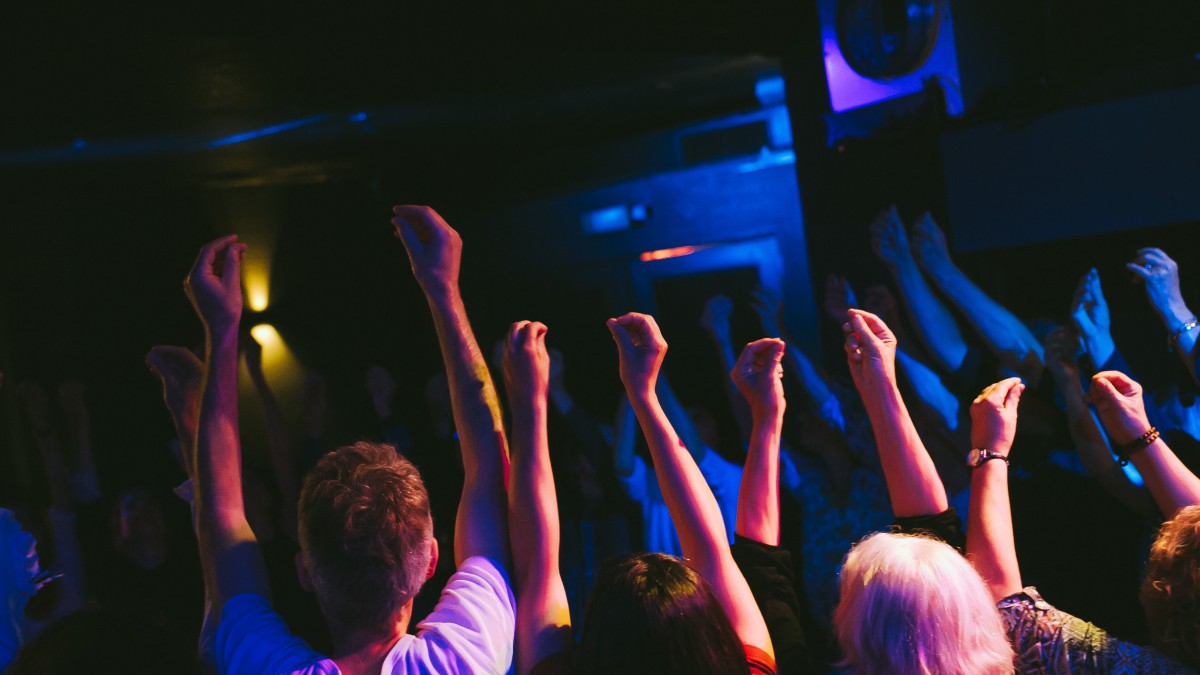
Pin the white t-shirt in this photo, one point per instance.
(659, 536)
(470, 631)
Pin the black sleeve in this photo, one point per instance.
(768, 571)
(946, 526)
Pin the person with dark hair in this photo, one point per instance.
(654, 613)
(366, 534)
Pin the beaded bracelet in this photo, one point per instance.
(1139, 443)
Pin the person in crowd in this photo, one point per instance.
(1159, 274)
(366, 534)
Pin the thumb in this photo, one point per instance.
(1014, 395)
(406, 234)
(620, 336)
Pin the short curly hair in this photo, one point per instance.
(365, 532)
(1171, 589)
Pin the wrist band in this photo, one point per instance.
(1187, 327)
(1140, 443)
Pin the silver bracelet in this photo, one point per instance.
(1173, 338)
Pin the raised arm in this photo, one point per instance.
(936, 327)
(229, 554)
(1000, 329)
(435, 251)
(279, 443)
(543, 617)
(1118, 400)
(758, 375)
(913, 483)
(1160, 275)
(990, 545)
(691, 503)
(1090, 442)
(1089, 314)
(715, 321)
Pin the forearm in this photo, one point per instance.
(481, 527)
(1003, 332)
(806, 375)
(698, 521)
(543, 622)
(929, 388)
(1095, 453)
(689, 500)
(758, 498)
(1171, 483)
(1175, 316)
(741, 411)
(990, 545)
(228, 550)
(914, 487)
(936, 327)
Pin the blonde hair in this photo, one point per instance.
(913, 605)
(1171, 590)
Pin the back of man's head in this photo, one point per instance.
(365, 533)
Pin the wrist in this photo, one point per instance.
(1174, 312)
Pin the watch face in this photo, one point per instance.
(974, 457)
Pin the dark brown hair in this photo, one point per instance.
(365, 532)
(651, 613)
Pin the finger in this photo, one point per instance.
(231, 272)
(511, 338)
(1122, 383)
(1102, 390)
(866, 336)
(1139, 270)
(999, 391)
(620, 335)
(208, 254)
(1013, 398)
(424, 221)
(407, 235)
(538, 331)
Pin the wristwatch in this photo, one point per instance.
(977, 456)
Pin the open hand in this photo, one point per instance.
(641, 348)
(839, 297)
(870, 350)
(929, 243)
(1118, 401)
(994, 415)
(181, 374)
(1159, 273)
(434, 248)
(758, 374)
(767, 306)
(526, 362)
(715, 317)
(1089, 313)
(888, 238)
(215, 283)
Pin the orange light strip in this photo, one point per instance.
(665, 253)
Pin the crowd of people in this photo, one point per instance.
(538, 539)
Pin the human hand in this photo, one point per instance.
(1160, 275)
(769, 308)
(434, 248)
(181, 374)
(994, 415)
(381, 385)
(526, 363)
(839, 297)
(878, 300)
(870, 350)
(214, 284)
(1089, 313)
(640, 348)
(889, 241)
(1118, 401)
(715, 317)
(758, 374)
(929, 243)
(1062, 352)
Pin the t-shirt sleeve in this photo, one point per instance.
(769, 573)
(759, 662)
(1047, 640)
(946, 526)
(253, 640)
(469, 631)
